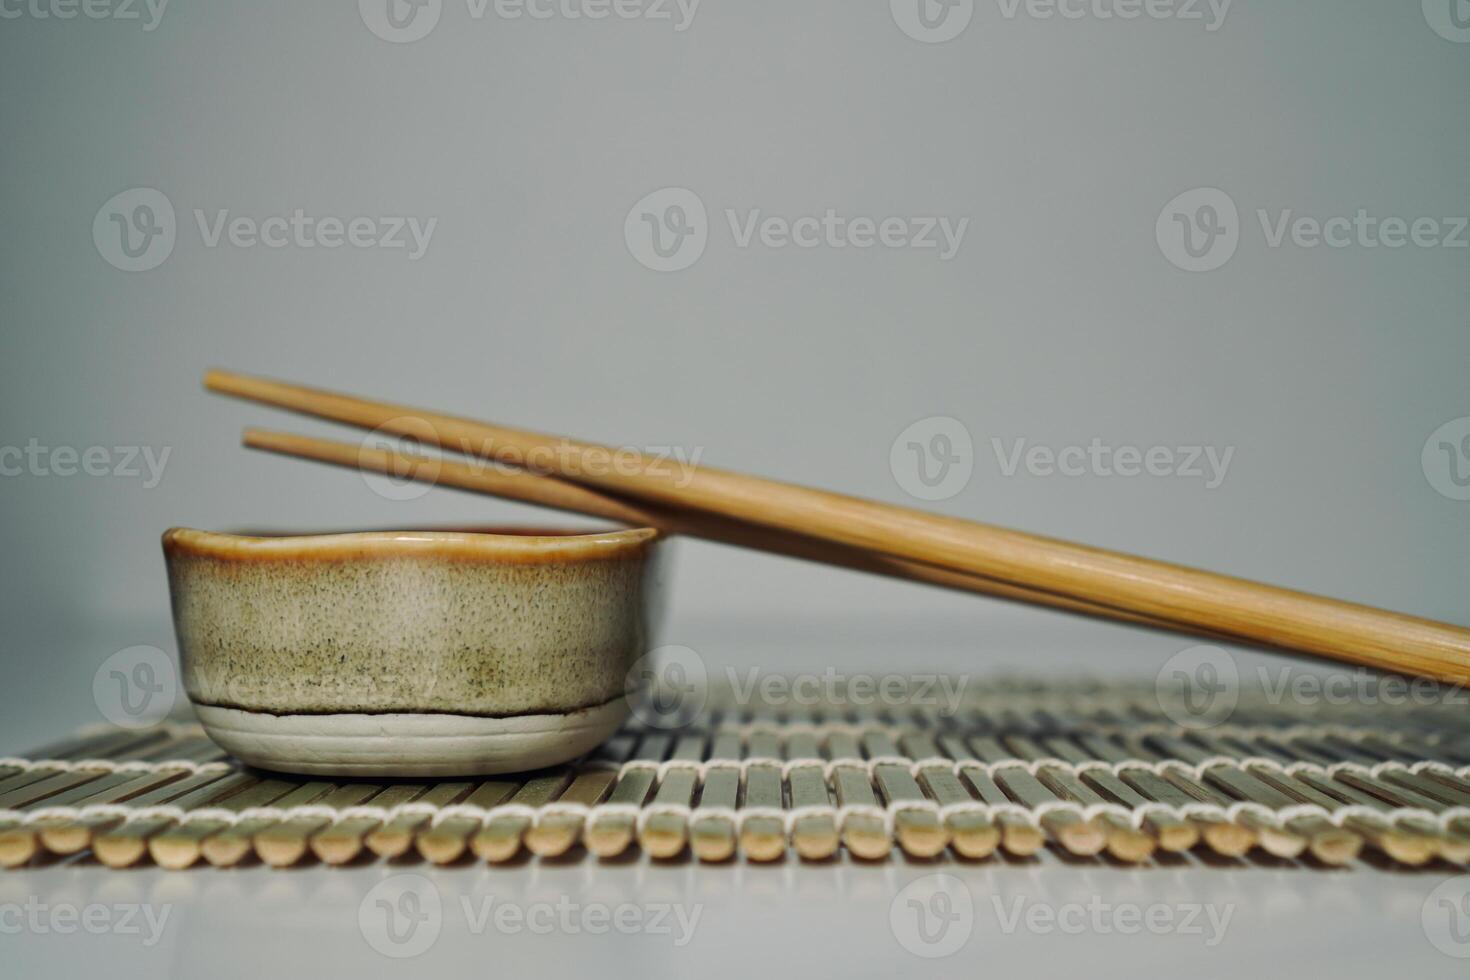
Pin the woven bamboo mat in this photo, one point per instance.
(1117, 773)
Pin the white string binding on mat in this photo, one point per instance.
(133, 766)
(1233, 812)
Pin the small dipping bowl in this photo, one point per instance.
(410, 653)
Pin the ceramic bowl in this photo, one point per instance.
(410, 653)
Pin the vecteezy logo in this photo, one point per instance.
(136, 687)
(1446, 459)
(401, 916)
(667, 687)
(933, 916)
(667, 230)
(400, 21)
(933, 458)
(1446, 917)
(408, 473)
(1450, 19)
(135, 230)
(1198, 688)
(932, 21)
(1199, 230)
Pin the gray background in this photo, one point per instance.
(1059, 320)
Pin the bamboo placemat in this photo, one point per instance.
(1099, 771)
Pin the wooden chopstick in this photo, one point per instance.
(1204, 600)
(517, 484)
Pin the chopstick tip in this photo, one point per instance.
(255, 438)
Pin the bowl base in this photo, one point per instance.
(408, 743)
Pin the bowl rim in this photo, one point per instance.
(500, 544)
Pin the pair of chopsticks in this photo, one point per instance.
(817, 525)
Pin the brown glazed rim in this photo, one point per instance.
(492, 545)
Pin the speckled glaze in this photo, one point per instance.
(467, 623)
